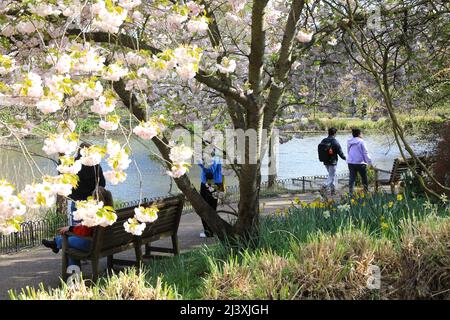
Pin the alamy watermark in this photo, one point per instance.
(231, 146)
(374, 277)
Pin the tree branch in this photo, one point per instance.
(257, 46)
(130, 42)
(283, 64)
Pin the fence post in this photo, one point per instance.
(16, 239)
(303, 184)
(32, 234)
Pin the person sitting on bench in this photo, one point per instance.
(79, 242)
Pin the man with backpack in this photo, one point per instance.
(329, 149)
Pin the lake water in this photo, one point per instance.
(297, 158)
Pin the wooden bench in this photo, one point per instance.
(107, 241)
(399, 168)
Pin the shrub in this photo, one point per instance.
(337, 266)
(441, 167)
(425, 260)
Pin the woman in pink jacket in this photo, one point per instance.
(358, 159)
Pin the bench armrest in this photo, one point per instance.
(381, 170)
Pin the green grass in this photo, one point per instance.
(196, 265)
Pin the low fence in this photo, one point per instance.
(301, 184)
(32, 232)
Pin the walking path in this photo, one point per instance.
(39, 265)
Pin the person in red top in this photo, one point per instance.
(79, 241)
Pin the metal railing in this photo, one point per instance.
(33, 232)
(301, 184)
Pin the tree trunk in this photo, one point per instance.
(219, 226)
(272, 166)
(272, 179)
(61, 206)
(248, 209)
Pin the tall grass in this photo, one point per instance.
(127, 285)
(337, 266)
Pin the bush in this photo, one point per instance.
(425, 260)
(336, 266)
(441, 167)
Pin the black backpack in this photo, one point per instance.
(325, 150)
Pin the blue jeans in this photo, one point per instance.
(354, 170)
(75, 243)
(331, 180)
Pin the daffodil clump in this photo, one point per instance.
(380, 211)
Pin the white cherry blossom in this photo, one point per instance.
(148, 215)
(304, 36)
(134, 227)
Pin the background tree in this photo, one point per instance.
(405, 34)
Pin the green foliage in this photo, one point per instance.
(54, 221)
(87, 125)
(414, 124)
(370, 177)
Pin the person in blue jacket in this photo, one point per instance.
(211, 183)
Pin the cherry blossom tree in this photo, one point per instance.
(62, 54)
